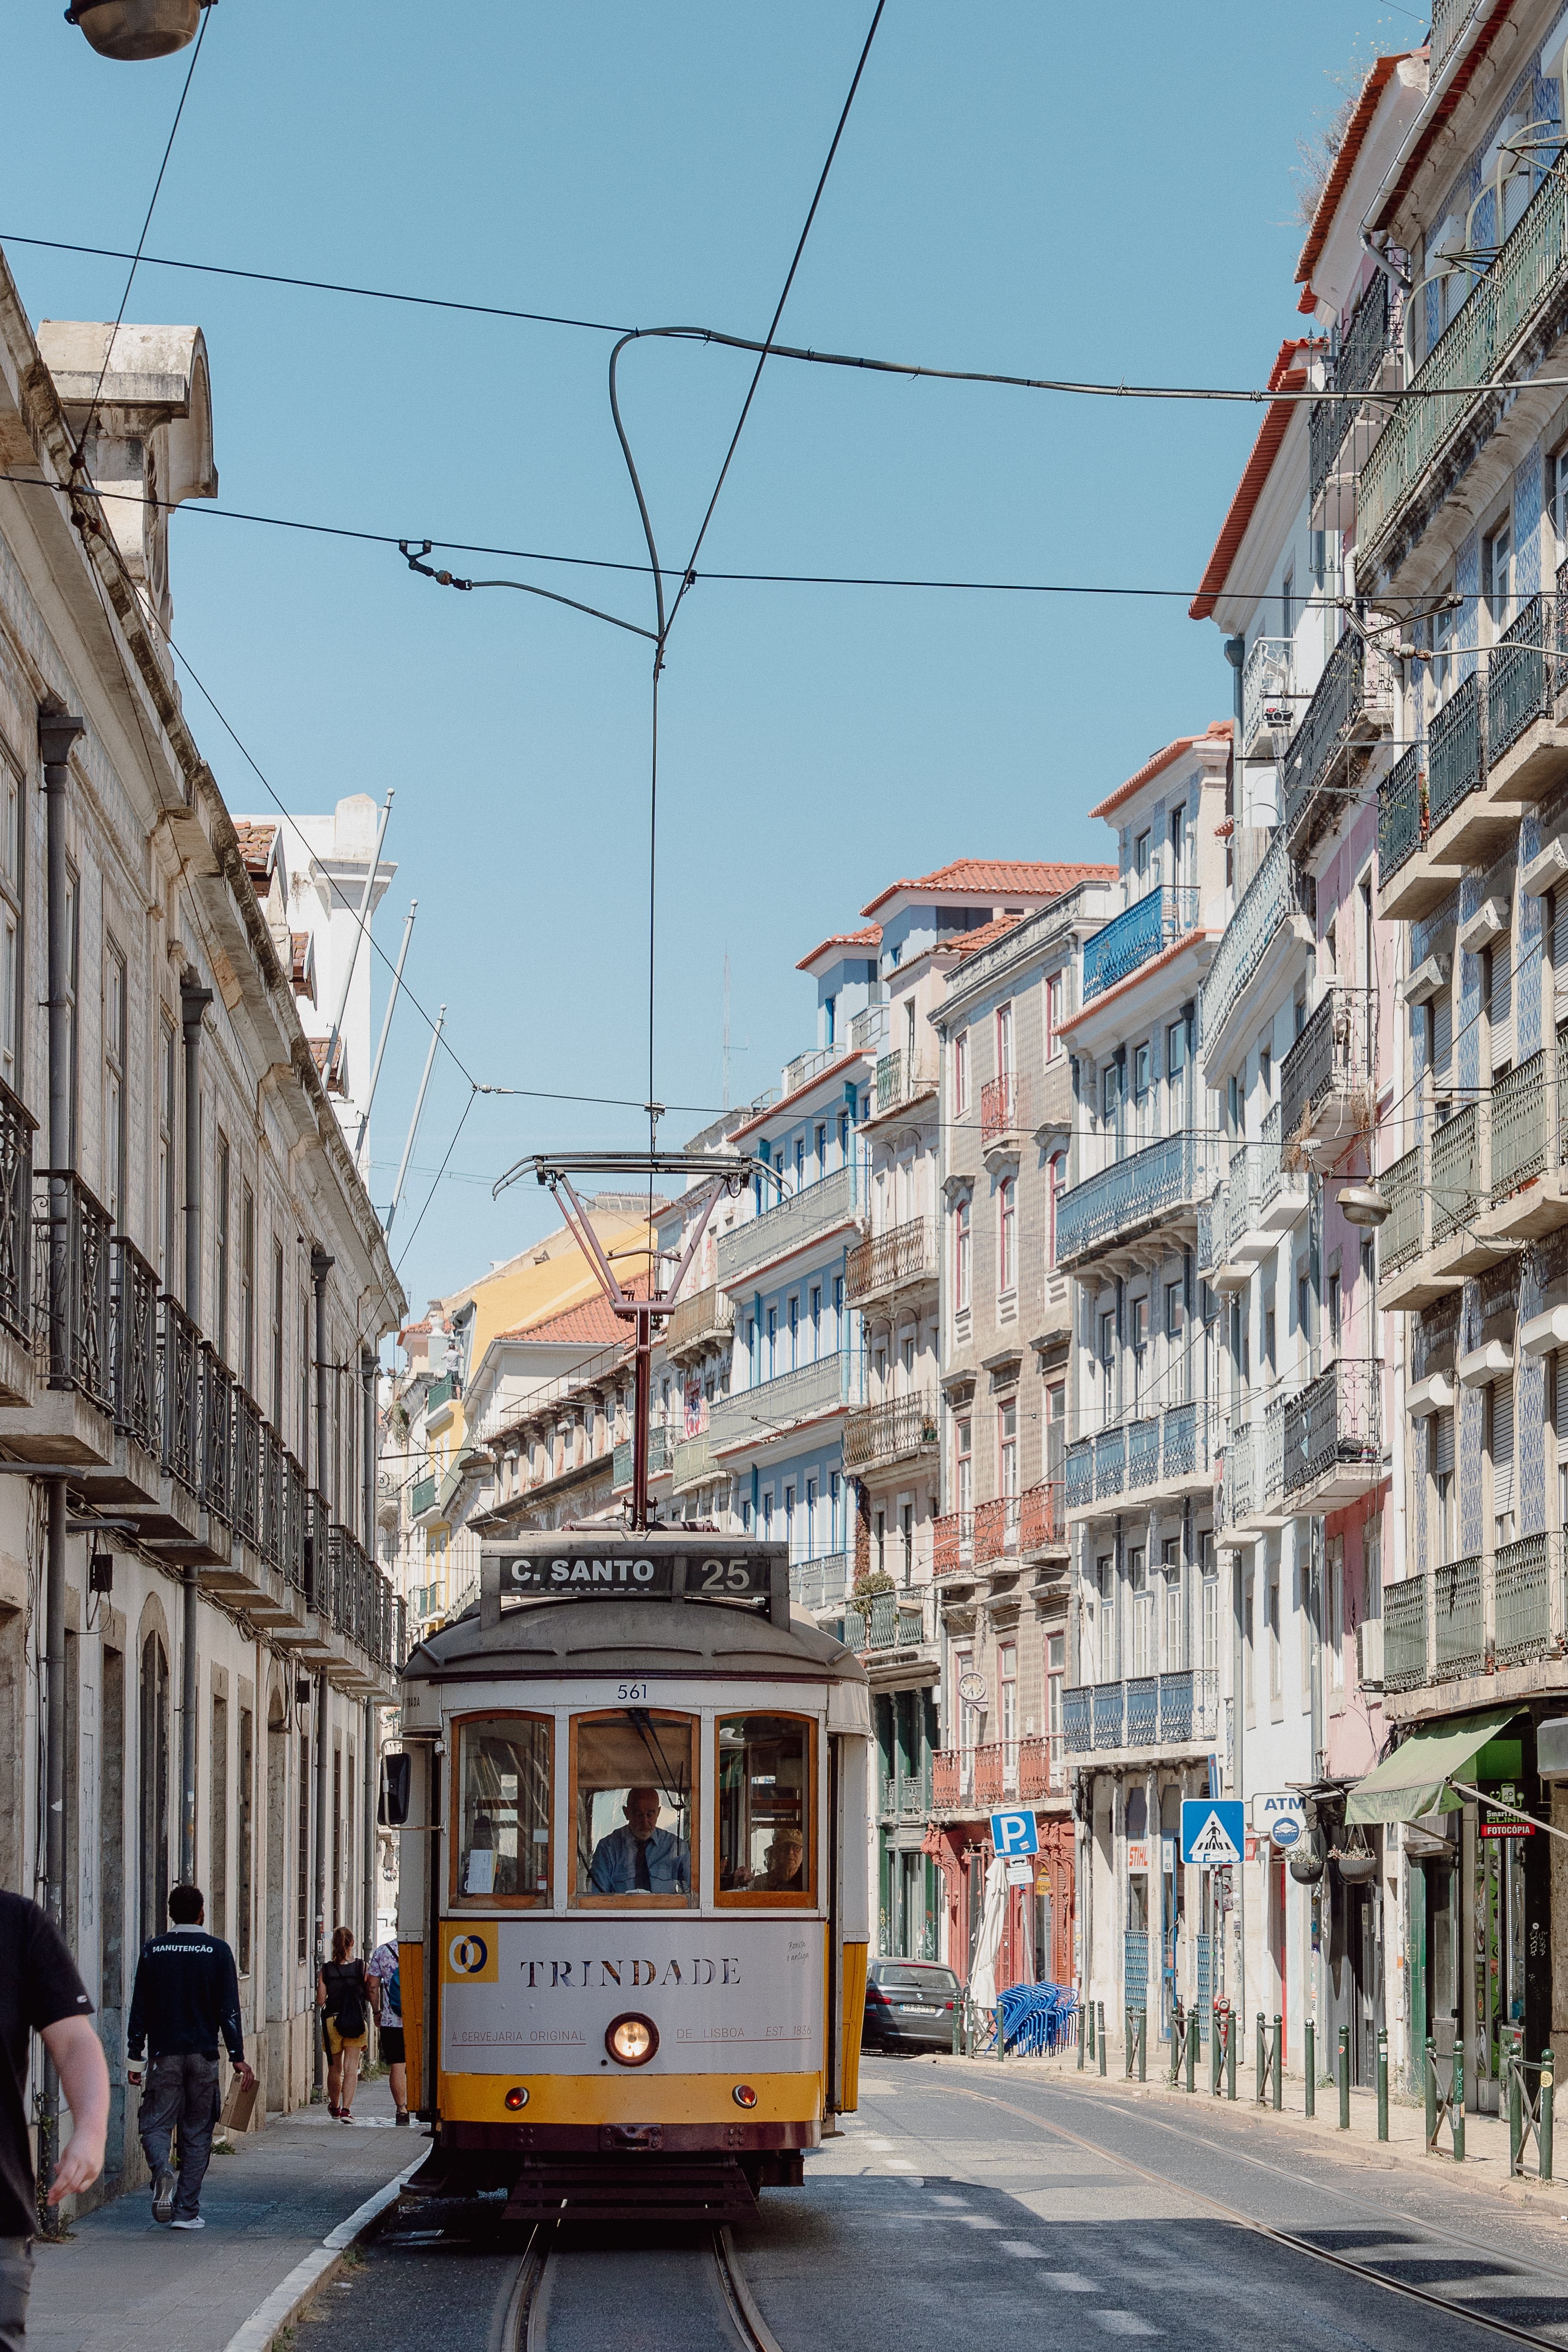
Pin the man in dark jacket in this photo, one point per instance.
(187, 1994)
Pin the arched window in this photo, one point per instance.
(153, 1792)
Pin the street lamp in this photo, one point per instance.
(1362, 1204)
(133, 29)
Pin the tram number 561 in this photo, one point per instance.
(724, 1575)
(633, 1691)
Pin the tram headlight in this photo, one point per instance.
(744, 2095)
(631, 2041)
(517, 2098)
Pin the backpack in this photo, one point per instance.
(395, 1991)
(348, 2012)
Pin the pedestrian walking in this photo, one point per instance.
(343, 1997)
(383, 1970)
(186, 1993)
(40, 1992)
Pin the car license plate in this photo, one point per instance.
(919, 2008)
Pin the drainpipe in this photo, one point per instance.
(57, 733)
(367, 1367)
(193, 1002)
(321, 1266)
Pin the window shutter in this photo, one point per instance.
(1560, 1403)
(1443, 1030)
(1560, 947)
(1502, 1446)
(1443, 1441)
(1502, 1006)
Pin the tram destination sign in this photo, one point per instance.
(660, 1564)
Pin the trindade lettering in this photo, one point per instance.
(696, 1972)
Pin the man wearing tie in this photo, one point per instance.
(641, 1859)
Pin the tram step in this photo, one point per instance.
(629, 2188)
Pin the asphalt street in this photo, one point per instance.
(1045, 2213)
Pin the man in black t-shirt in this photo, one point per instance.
(40, 1992)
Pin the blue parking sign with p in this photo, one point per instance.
(1015, 1833)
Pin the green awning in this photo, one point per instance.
(1410, 1782)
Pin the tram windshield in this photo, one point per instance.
(503, 1843)
(764, 1809)
(632, 1777)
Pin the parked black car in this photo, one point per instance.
(909, 2006)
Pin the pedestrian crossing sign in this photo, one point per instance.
(1213, 1831)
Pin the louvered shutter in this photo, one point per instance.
(1442, 1442)
(1560, 947)
(1443, 1033)
(1502, 1007)
(1502, 1446)
(1560, 1403)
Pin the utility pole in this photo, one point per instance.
(385, 1027)
(413, 1122)
(725, 1096)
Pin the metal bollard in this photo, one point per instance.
(1142, 2045)
(1431, 2094)
(1213, 2052)
(1192, 2051)
(1344, 2069)
(1543, 2130)
(1311, 2061)
(1231, 2055)
(1262, 2058)
(1099, 2006)
(1082, 2008)
(1458, 2109)
(1382, 2082)
(1515, 2107)
(1089, 2012)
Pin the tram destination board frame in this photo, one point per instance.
(659, 1564)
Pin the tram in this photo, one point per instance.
(634, 1910)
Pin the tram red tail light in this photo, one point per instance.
(631, 2040)
(516, 2097)
(744, 2095)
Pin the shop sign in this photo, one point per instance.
(1137, 1853)
(1503, 1825)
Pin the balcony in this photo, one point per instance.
(692, 1464)
(1404, 823)
(1267, 712)
(1161, 1185)
(902, 1078)
(902, 1258)
(1177, 1711)
(752, 1418)
(1042, 1766)
(1252, 1473)
(869, 1030)
(1277, 899)
(1326, 1079)
(821, 1586)
(953, 1545)
(1334, 1435)
(1262, 1199)
(1041, 1525)
(1340, 432)
(878, 1436)
(660, 1454)
(1509, 322)
(71, 1270)
(893, 1621)
(422, 1496)
(1351, 709)
(906, 1794)
(1005, 1114)
(704, 1320)
(1484, 1615)
(833, 1204)
(808, 1066)
(1132, 939)
(1165, 1452)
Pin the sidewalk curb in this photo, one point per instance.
(287, 2299)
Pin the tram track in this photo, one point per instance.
(523, 2315)
(1473, 2311)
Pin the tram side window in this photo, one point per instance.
(503, 1842)
(633, 1774)
(766, 1850)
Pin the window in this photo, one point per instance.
(1105, 1587)
(815, 1320)
(1143, 1600)
(1275, 1655)
(773, 1342)
(1055, 1185)
(1337, 1613)
(502, 1847)
(303, 1855)
(1440, 1465)
(1056, 1678)
(1500, 1441)
(220, 1247)
(1175, 1640)
(1497, 574)
(1175, 1310)
(1444, 627)
(960, 1073)
(766, 1850)
(116, 1033)
(1334, 1309)
(247, 1289)
(218, 1818)
(1210, 1618)
(72, 962)
(1557, 498)
(1287, 603)
(244, 1830)
(278, 1336)
(1053, 1016)
(794, 1334)
(168, 1096)
(152, 1787)
(1176, 1049)
(1003, 1040)
(633, 1777)
(964, 1467)
(1007, 1459)
(1056, 1427)
(961, 1256)
(1140, 861)
(1007, 1697)
(1007, 1235)
(11, 838)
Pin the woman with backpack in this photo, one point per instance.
(342, 1996)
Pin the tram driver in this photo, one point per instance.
(641, 1859)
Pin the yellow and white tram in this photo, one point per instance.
(633, 1914)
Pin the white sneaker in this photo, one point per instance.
(191, 2221)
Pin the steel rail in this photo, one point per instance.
(750, 2326)
(1474, 2311)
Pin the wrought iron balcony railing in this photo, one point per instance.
(134, 1307)
(1401, 1240)
(17, 1127)
(660, 1452)
(1267, 710)
(1139, 933)
(1162, 1179)
(1402, 817)
(755, 1414)
(180, 1394)
(1521, 680)
(876, 1435)
(808, 1215)
(869, 1030)
(1405, 1634)
(1169, 1710)
(1331, 1057)
(1520, 1143)
(1455, 1174)
(954, 1543)
(904, 1253)
(692, 1464)
(1178, 1443)
(1041, 1520)
(1275, 893)
(1335, 1422)
(1352, 702)
(704, 1320)
(821, 1584)
(1004, 1106)
(71, 1261)
(1449, 19)
(421, 1494)
(1456, 750)
(901, 1078)
(1366, 344)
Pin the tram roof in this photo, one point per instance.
(560, 1640)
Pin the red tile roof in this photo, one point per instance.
(871, 937)
(1458, 78)
(303, 963)
(319, 1055)
(1034, 878)
(258, 849)
(594, 1324)
(1217, 730)
(996, 928)
(1288, 373)
(1344, 163)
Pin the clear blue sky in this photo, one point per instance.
(1023, 186)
